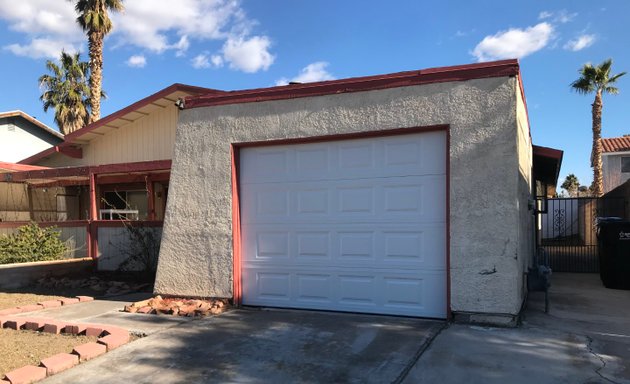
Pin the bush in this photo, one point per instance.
(31, 243)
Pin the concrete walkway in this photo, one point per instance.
(584, 339)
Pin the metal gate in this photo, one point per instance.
(568, 231)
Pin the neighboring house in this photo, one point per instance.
(115, 168)
(615, 161)
(408, 193)
(22, 135)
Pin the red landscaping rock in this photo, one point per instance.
(75, 329)
(114, 341)
(68, 301)
(30, 308)
(50, 303)
(10, 311)
(145, 309)
(15, 323)
(59, 362)
(85, 298)
(26, 375)
(93, 331)
(89, 351)
(54, 326)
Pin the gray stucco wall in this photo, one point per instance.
(486, 208)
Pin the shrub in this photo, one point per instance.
(31, 243)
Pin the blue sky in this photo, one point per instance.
(228, 45)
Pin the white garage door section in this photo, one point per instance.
(352, 225)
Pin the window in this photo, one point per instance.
(124, 205)
(625, 164)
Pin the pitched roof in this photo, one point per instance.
(616, 144)
(32, 120)
(12, 167)
(118, 119)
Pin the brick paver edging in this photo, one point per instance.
(109, 338)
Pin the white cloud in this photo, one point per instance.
(42, 48)
(309, 74)
(155, 26)
(514, 43)
(579, 43)
(563, 16)
(137, 61)
(248, 54)
(203, 61)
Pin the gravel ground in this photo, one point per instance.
(10, 300)
(20, 348)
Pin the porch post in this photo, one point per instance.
(92, 230)
(151, 196)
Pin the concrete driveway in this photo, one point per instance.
(267, 346)
(584, 339)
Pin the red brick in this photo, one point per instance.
(2, 321)
(85, 298)
(33, 324)
(30, 308)
(10, 311)
(75, 329)
(54, 326)
(114, 341)
(25, 375)
(93, 331)
(111, 330)
(5, 382)
(89, 351)
(15, 323)
(50, 303)
(69, 300)
(60, 362)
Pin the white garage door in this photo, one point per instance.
(353, 225)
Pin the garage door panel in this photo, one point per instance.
(349, 159)
(352, 291)
(415, 245)
(354, 225)
(394, 199)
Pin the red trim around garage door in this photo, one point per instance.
(236, 214)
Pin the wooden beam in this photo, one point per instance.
(151, 196)
(71, 151)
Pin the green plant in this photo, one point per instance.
(31, 243)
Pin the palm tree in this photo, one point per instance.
(571, 184)
(95, 22)
(599, 80)
(66, 90)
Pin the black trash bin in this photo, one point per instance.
(613, 237)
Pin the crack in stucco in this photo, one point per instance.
(589, 347)
(488, 271)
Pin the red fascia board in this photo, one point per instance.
(55, 173)
(70, 151)
(547, 152)
(4, 166)
(359, 84)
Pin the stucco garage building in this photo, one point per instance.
(405, 194)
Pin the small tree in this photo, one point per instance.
(571, 184)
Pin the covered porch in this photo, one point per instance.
(92, 206)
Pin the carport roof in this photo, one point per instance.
(547, 163)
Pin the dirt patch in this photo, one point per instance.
(20, 348)
(10, 300)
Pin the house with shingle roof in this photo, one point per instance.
(615, 161)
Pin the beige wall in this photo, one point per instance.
(488, 180)
(149, 138)
(17, 143)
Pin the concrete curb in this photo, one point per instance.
(109, 338)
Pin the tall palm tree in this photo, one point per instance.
(66, 90)
(599, 80)
(95, 22)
